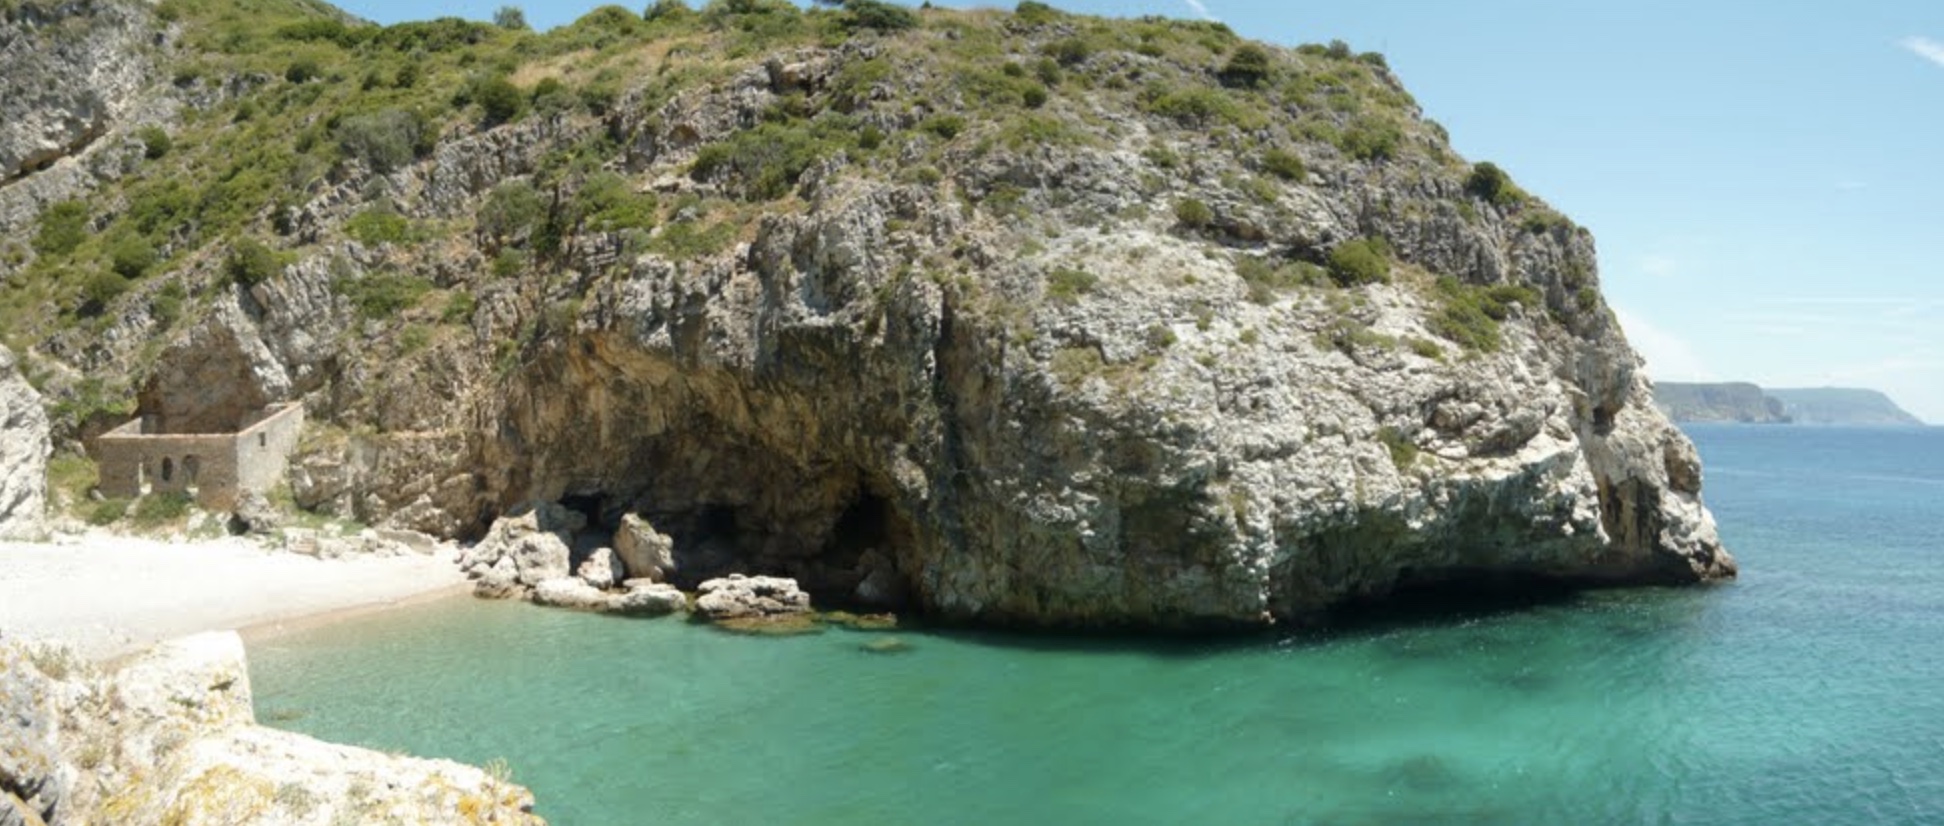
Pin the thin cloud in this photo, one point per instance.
(1659, 266)
(1669, 357)
(1923, 47)
(1201, 10)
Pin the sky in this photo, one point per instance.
(1763, 178)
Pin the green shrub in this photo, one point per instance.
(303, 70)
(499, 100)
(378, 225)
(1266, 278)
(510, 17)
(1361, 261)
(667, 11)
(509, 213)
(1071, 51)
(1370, 139)
(1426, 348)
(166, 305)
(1034, 97)
(689, 240)
(131, 256)
(509, 264)
(385, 140)
(1283, 164)
(1065, 285)
(1470, 313)
(877, 15)
(102, 287)
(944, 126)
(382, 295)
(63, 227)
(1490, 184)
(1193, 214)
(459, 308)
(251, 263)
(1194, 107)
(155, 142)
(608, 204)
(106, 512)
(767, 160)
(1035, 13)
(157, 509)
(1248, 68)
(1403, 451)
(1542, 221)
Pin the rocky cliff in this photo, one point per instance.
(1843, 406)
(1025, 318)
(1719, 402)
(170, 738)
(24, 450)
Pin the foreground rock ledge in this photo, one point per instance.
(171, 738)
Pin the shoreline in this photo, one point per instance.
(109, 596)
(272, 629)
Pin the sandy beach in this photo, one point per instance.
(111, 595)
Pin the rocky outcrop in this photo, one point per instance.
(524, 549)
(171, 738)
(528, 555)
(24, 450)
(737, 597)
(1073, 362)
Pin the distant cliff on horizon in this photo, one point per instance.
(1751, 404)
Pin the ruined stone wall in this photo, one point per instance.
(135, 459)
(263, 449)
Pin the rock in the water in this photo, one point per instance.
(171, 738)
(601, 569)
(24, 449)
(501, 580)
(569, 592)
(536, 538)
(742, 597)
(647, 553)
(648, 599)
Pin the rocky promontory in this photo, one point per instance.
(170, 738)
(1013, 318)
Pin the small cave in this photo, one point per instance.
(859, 560)
(1441, 595)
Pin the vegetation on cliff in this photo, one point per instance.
(1191, 328)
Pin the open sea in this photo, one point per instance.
(1811, 691)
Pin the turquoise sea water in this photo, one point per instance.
(1810, 692)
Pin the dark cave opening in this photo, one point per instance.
(1444, 595)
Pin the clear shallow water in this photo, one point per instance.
(1811, 691)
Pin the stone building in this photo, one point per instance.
(149, 455)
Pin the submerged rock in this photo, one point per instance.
(171, 738)
(886, 645)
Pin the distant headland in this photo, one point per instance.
(1752, 404)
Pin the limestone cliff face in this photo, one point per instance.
(80, 77)
(170, 738)
(1077, 365)
(23, 454)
